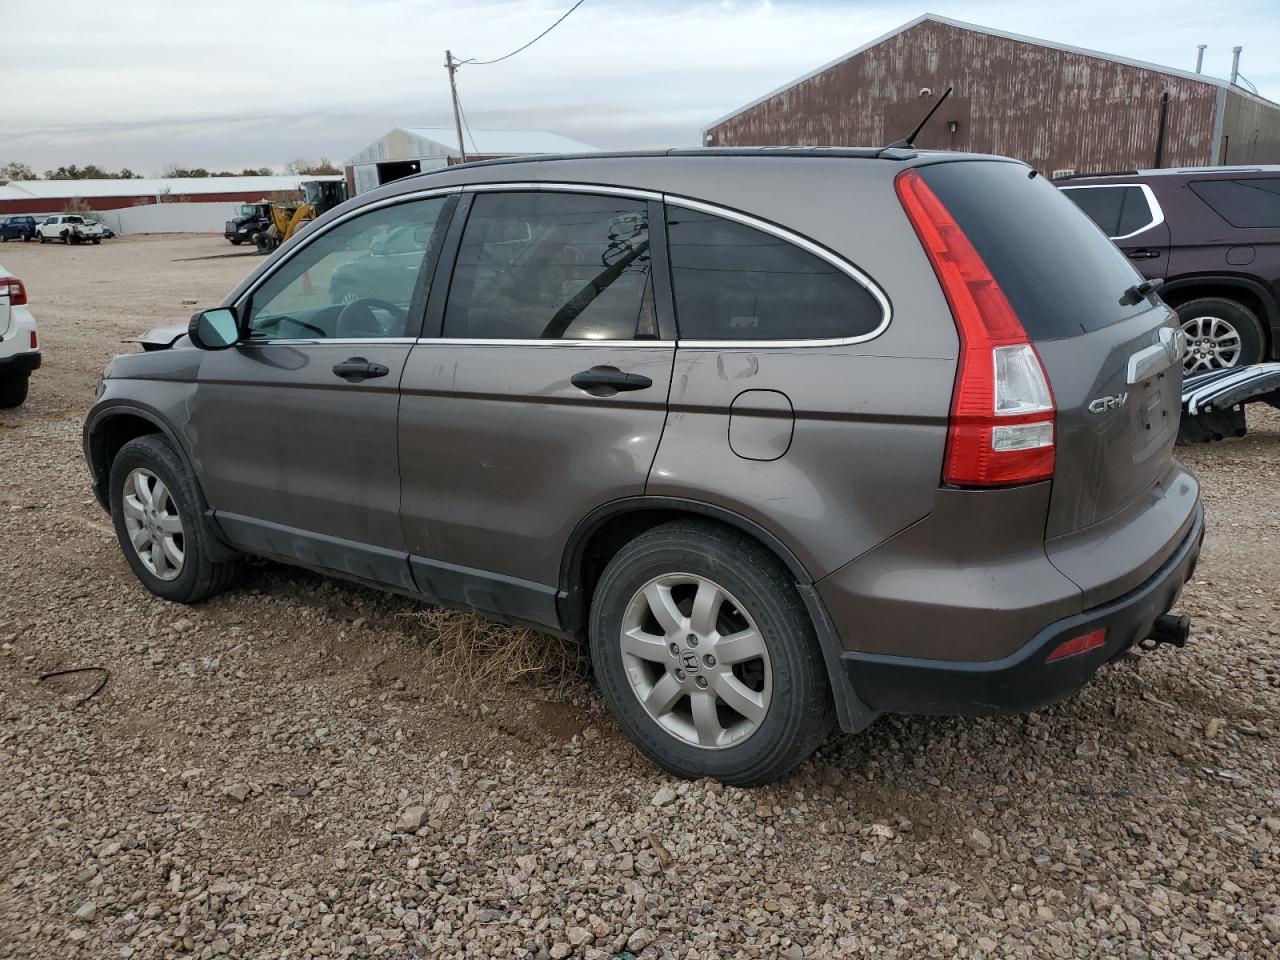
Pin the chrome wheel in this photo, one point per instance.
(1212, 344)
(696, 661)
(153, 524)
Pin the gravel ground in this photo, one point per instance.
(282, 772)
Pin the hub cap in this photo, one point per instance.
(696, 661)
(152, 522)
(1212, 344)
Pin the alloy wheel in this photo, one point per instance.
(1212, 344)
(154, 526)
(696, 661)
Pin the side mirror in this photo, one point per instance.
(214, 329)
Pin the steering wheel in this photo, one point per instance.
(359, 313)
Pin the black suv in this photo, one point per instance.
(1212, 234)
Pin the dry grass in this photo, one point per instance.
(481, 657)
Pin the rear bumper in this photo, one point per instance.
(1024, 680)
(20, 362)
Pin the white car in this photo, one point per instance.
(19, 346)
(69, 228)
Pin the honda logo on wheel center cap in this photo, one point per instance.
(689, 660)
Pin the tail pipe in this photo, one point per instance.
(1172, 628)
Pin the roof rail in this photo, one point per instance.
(1100, 173)
(868, 153)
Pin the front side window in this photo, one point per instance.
(1253, 202)
(552, 266)
(355, 281)
(735, 282)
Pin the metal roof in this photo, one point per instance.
(1020, 38)
(487, 143)
(173, 186)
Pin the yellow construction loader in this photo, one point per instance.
(290, 216)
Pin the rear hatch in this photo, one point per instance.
(1066, 283)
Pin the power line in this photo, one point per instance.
(485, 63)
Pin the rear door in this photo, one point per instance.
(543, 397)
(1130, 215)
(1113, 364)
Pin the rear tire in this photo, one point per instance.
(747, 718)
(1221, 334)
(13, 390)
(147, 463)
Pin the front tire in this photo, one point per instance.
(13, 390)
(156, 515)
(1221, 334)
(706, 656)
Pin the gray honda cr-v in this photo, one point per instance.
(793, 437)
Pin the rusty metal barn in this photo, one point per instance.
(1059, 108)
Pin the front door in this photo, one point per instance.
(544, 397)
(294, 428)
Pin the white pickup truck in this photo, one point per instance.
(19, 347)
(70, 228)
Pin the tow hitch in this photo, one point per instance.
(1173, 628)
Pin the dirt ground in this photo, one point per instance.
(282, 772)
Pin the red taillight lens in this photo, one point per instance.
(35, 344)
(1078, 645)
(14, 288)
(1002, 409)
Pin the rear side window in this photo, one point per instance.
(1243, 203)
(1061, 276)
(1120, 210)
(553, 266)
(734, 282)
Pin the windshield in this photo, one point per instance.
(248, 210)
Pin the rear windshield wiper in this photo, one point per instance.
(1139, 292)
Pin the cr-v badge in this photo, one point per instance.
(1103, 404)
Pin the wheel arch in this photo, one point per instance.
(1244, 290)
(107, 431)
(604, 531)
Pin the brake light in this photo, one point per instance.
(14, 288)
(1078, 645)
(1001, 430)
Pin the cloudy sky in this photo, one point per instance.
(144, 83)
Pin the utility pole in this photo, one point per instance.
(452, 66)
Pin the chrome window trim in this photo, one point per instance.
(844, 266)
(480, 341)
(311, 235)
(1157, 212)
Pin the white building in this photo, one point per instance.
(409, 150)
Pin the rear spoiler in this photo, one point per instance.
(1213, 403)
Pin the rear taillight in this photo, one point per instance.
(14, 288)
(35, 344)
(1002, 410)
